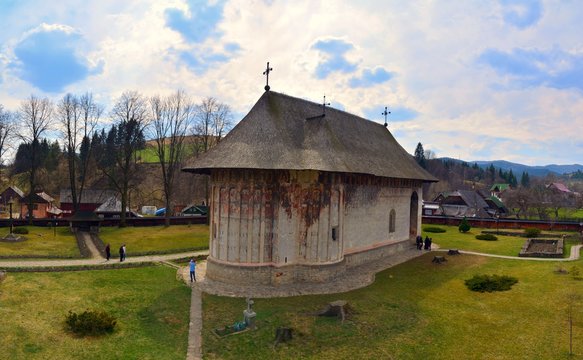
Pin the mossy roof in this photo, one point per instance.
(286, 133)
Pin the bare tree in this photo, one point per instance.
(35, 115)
(90, 114)
(118, 158)
(212, 121)
(6, 131)
(78, 117)
(519, 200)
(170, 118)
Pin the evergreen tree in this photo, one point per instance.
(492, 172)
(512, 179)
(525, 180)
(464, 225)
(420, 155)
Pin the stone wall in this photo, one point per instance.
(272, 274)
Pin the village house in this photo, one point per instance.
(498, 190)
(90, 200)
(43, 206)
(302, 193)
(470, 203)
(11, 195)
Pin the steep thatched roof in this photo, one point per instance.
(283, 132)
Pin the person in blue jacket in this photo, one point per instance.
(192, 270)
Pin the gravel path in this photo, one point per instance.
(96, 261)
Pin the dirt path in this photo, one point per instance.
(86, 238)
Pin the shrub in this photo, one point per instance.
(487, 237)
(20, 230)
(464, 226)
(531, 232)
(90, 322)
(433, 229)
(490, 283)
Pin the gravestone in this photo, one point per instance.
(249, 315)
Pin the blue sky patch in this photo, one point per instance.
(201, 63)
(335, 49)
(199, 24)
(521, 13)
(49, 59)
(398, 114)
(554, 68)
(370, 78)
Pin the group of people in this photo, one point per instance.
(122, 252)
(421, 244)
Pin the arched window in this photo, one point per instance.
(392, 216)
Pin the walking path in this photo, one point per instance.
(86, 238)
(7, 264)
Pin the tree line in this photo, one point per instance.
(85, 147)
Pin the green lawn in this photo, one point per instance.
(42, 241)
(417, 310)
(505, 245)
(152, 309)
(156, 238)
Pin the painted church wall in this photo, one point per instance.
(303, 217)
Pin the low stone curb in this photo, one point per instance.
(79, 267)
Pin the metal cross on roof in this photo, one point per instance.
(386, 113)
(324, 104)
(266, 73)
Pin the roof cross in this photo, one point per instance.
(386, 113)
(324, 104)
(266, 73)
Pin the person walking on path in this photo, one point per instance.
(124, 252)
(192, 264)
(427, 243)
(107, 252)
(121, 253)
(419, 242)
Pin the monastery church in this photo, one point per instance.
(302, 193)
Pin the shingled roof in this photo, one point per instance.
(282, 132)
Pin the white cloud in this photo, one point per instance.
(430, 49)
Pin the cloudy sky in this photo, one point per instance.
(475, 80)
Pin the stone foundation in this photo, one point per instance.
(272, 275)
(543, 248)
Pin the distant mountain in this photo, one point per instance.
(518, 169)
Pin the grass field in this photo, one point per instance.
(42, 241)
(156, 238)
(505, 245)
(152, 309)
(417, 310)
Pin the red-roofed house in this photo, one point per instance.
(43, 206)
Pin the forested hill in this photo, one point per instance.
(520, 168)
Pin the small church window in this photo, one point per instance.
(392, 216)
(335, 233)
